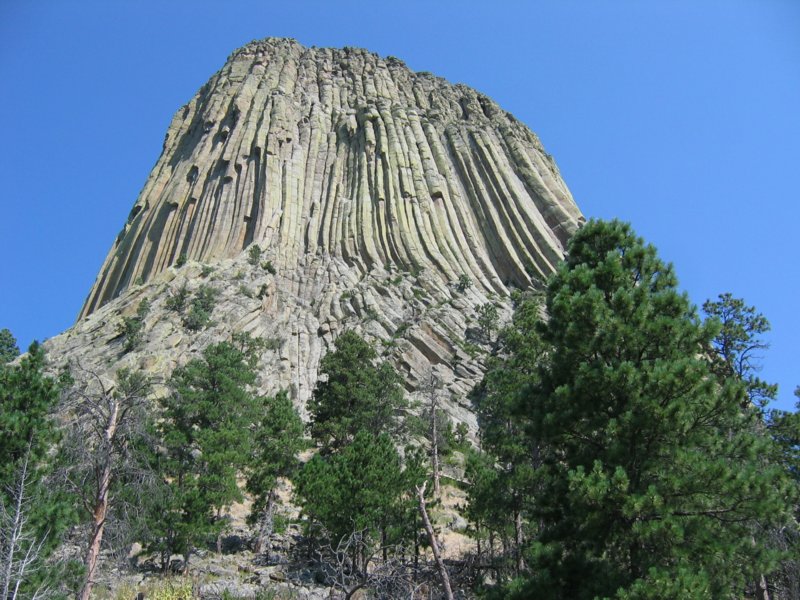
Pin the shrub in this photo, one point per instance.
(132, 328)
(268, 267)
(254, 254)
(464, 283)
(272, 343)
(177, 301)
(488, 318)
(199, 315)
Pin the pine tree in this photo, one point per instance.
(357, 490)
(736, 346)
(434, 427)
(277, 440)
(355, 394)
(202, 429)
(734, 354)
(8, 346)
(651, 478)
(500, 500)
(27, 399)
(108, 423)
(784, 427)
(28, 488)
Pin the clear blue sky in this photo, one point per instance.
(682, 117)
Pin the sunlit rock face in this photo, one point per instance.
(372, 191)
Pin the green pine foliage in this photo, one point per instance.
(357, 486)
(200, 308)
(651, 479)
(27, 399)
(277, 440)
(464, 283)
(488, 318)
(737, 345)
(196, 312)
(8, 347)
(177, 301)
(204, 447)
(357, 394)
(785, 430)
(357, 489)
(28, 434)
(503, 473)
(254, 254)
(132, 328)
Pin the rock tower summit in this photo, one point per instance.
(307, 191)
(339, 156)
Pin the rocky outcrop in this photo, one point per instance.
(340, 153)
(386, 201)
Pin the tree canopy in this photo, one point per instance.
(355, 394)
(651, 478)
(201, 429)
(8, 346)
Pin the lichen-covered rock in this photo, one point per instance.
(337, 152)
(382, 200)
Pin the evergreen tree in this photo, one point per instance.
(785, 429)
(651, 478)
(8, 347)
(434, 426)
(27, 398)
(34, 508)
(734, 354)
(355, 394)
(132, 328)
(202, 429)
(277, 440)
(357, 490)
(499, 501)
(737, 343)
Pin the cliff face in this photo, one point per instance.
(372, 191)
(342, 153)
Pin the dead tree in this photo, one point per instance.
(20, 549)
(431, 391)
(432, 539)
(355, 564)
(107, 419)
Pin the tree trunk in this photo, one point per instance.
(100, 502)
(186, 558)
(267, 521)
(762, 591)
(16, 533)
(93, 553)
(219, 534)
(518, 540)
(491, 552)
(383, 544)
(416, 548)
(435, 451)
(434, 544)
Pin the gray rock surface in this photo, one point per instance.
(370, 188)
(383, 200)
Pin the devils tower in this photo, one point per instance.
(315, 190)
